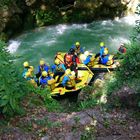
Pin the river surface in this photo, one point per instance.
(45, 42)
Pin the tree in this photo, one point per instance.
(12, 86)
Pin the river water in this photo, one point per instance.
(45, 42)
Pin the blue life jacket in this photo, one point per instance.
(60, 68)
(43, 68)
(101, 51)
(44, 80)
(87, 60)
(24, 72)
(65, 80)
(81, 50)
(104, 59)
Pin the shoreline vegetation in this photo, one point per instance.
(29, 14)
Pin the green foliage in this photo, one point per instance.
(91, 102)
(50, 103)
(89, 133)
(130, 66)
(47, 17)
(128, 74)
(5, 2)
(138, 21)
(12, 86)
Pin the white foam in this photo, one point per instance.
(60, 29)
(129, 20)
(50, 42)
(115, 42)
(79, 26)
(107, 22)
(13, 46)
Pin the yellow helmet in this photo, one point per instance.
(82, 57)
(31, 69)
(102, 44)
(57, 61)
(86, 53)
(44, 73)
(42, 62)
(68, 71)
(26, 64)
(77, 43)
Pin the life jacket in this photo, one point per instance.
(24, 72)
(77, 60)
(59, 68)
(104, 59)
(33, 82)
(110, 62)
(60, 58)
(71, 83)
(77, 50)
(44, 80)
(91, 63)
(51, 84)
(105, 51)
(68, 60)
(44, 68)
(122, 49)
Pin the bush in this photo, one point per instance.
(46, 17)
(5, 2)
(48, 101)
(128, 74)
(12, 86)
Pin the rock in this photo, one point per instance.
(98, 83)
(10, 17)
(30, 2)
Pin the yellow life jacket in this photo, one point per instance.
(51, 84)
(32, 81)
(59, 68)
(91, 63)
(105, 51)
(110, 62)
(60, 58)
(71, 82)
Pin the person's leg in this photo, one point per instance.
(59, 74)
(73, 68)
(97, 55)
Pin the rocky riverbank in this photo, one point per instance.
(16, 15)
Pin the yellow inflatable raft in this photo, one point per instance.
(84, 77)
(95, 67)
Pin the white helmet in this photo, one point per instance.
(73, 73)
(86, 53)
(82, 57)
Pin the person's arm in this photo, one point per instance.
(73, 47)
(65, 58)
(87, 60)
(46, 68)
(101, 52)
(63, 67)
(65, 80)
(39, 70)
(81, 50)
(74, 60)
(53, 68)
